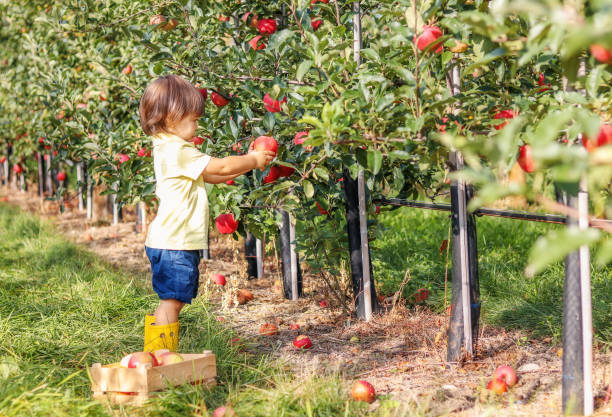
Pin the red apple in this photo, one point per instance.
(158, 354)
(223, 18)
(143, 152)
(506, 374)
(363, 391)
(302, 342)
(266, 26)
(218, 279)
(204, 93)
(273, 175)
(250, 19)
(17, 169)
(317, 1)
(244, 296)
(377, 210)
(300, 137)
(604, 137)
(504, 114)
(230, 182)
(315, 23)
(61, 176)
(266, 143)
(3, 160)
(256, 44)
(421, 295)
(542, 83)
(138, 358)
(197, 140)
(273, 106)
(223, 411)
(601, 53)
(122, 158)
(286, 171)
(268, 329)
(125, 360)
(218, 100)
(497, 386)
(4, 199)
(226, 223)
(321, 209)
(525, 159)
(41, 140)
(324, 303)
(127, 70)
(429, 36)
(169, 358)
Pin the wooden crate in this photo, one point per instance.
(112, 382)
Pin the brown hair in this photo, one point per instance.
(168, 99)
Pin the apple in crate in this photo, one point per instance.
(134, 359)
(158, 354)
(169, 358)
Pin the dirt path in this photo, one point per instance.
(402, 353)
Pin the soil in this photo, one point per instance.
(402, 352)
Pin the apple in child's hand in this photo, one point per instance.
(138, 358)
(363, 391)
(218, 279)
(266, 143)
(169, 358)
(507, 374)
(302, 342)
(497, 386)
(224, 411)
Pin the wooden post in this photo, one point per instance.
(465, 305)
(292, 274)
(80, 182)
(41, 174)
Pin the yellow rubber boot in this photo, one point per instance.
(162, 337)
(149, 319)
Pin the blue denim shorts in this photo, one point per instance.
(175, 273)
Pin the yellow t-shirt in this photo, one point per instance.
(182, 217)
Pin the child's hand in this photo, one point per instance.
(262, 158)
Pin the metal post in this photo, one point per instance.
(292, 274)
(80, 181)
(206, 252)
(22, 182)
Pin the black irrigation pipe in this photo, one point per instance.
(509, 214)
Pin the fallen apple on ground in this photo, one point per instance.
(268, 329)
(506, 374)
(218, 279)
(302, 342)
(244, 296)
(363, 391)
(497, 386)
(324, 303)
(223, 411)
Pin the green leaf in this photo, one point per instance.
(371, 160)
(308, 188)
(556, 245)
(303, 68)
(322, 173)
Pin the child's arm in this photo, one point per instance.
(217, 179)
(238, 165)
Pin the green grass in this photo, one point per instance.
(62, 309)
(411, 240)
